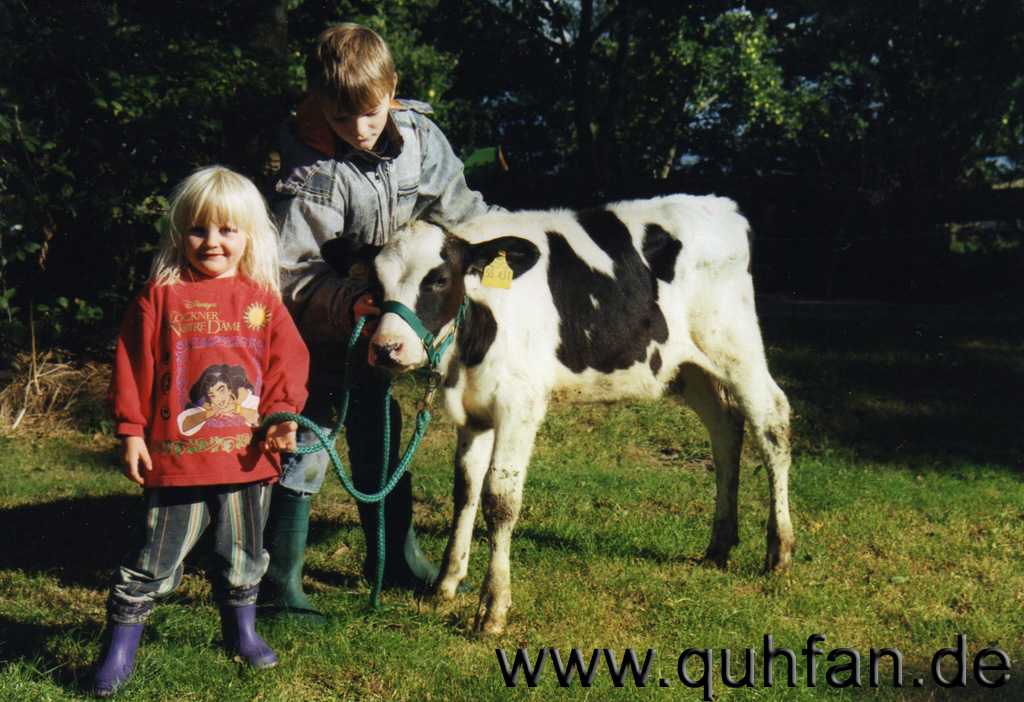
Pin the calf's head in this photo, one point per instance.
(424, 268)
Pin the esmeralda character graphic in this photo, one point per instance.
(222, 392)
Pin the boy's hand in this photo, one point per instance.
(133, 452)
(281, 436)
(366, 305)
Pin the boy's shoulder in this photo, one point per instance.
(404, 104)
(308, 146)
(313, 131)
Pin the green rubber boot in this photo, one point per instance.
(281, 595)
(406, 566)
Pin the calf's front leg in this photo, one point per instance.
(471, 460)
(502, 500)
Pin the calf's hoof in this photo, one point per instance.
(445, 590)
(488, 624)
(779, 557)
(490, 616)
(715, 558)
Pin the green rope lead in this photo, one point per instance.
(326, 443)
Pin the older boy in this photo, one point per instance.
(356, 165)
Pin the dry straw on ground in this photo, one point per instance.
(52, 393)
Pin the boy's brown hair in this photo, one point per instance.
(349, 69)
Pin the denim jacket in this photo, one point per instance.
(361, 196)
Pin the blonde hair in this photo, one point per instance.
(218, 194)
(349, 69)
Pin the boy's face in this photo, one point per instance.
(361, 131)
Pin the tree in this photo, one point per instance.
(630, 86)
(918, 93)
(104, 106)
(623, 88)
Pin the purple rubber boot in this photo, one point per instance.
(238, 626)
(118, 659)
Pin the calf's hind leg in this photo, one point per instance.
(769, 425)
(724, 424)
(766, 410)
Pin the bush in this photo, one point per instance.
(100, 115)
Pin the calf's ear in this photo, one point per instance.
(520, 254)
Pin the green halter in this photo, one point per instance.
(434, 354)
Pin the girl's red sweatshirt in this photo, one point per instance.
(198, 365)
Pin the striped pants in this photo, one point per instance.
(175, 519)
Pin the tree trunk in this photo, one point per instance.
(607, 137)
(581, 89)
(270, 26)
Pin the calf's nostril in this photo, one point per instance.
(386, 350)
(385, 355)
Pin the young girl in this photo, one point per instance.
(204, 351)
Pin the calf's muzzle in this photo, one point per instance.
(385, 355)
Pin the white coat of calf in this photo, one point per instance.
(623, 301)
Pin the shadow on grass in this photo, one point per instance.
(77, 541)
(913, 385)
(81, 541)
(25, 643)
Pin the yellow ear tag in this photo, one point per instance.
(497, 274)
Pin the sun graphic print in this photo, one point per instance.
(256, 316)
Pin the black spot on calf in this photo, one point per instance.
(661, 250)
(477, 334)
(655, 362)
(606, 322)
(442, 289)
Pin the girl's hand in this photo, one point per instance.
(281, 436)
(134, 451)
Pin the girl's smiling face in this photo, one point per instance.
(215, 249)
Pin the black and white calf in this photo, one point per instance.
(606, 303)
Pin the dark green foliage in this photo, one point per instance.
(912, 94)
(100, 114)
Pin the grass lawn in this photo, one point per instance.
(907, 491)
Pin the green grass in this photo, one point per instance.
(906, 491)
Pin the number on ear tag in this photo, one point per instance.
(497, 274)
